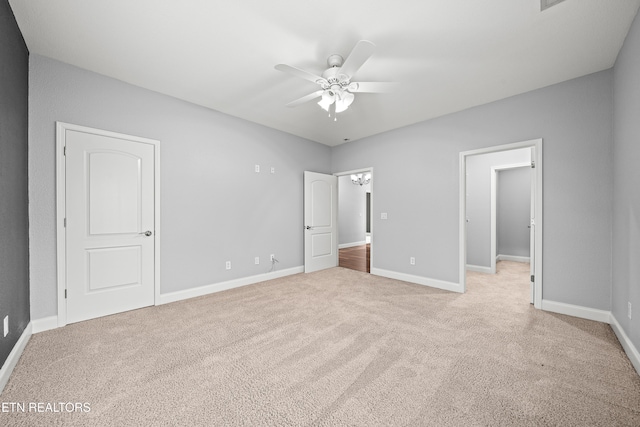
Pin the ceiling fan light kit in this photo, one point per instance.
(337, 89)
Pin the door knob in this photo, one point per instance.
(308, 227)
(147, 233)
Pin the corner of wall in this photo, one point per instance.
(630, 349)
(14, 356)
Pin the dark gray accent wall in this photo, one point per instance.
(417, 184)
(626, 186)
(14, 214)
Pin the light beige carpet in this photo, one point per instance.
(336, 347)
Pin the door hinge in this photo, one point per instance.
(65, 294)
(533, 164)
(65, 222)
(64, 150)
(533, 278)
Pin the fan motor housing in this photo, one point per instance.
(333, 76)
(335, 60)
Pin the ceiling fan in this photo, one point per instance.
(337, 89)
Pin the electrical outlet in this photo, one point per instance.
(257, 260)
(272, 257)
(412, 261)
(273, 170)
(6, 325)
(383, 215)
(629, 309)
(257, 168)
(228, 265)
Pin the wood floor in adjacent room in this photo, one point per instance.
(356, 258)
(332, 348)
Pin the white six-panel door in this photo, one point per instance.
(320, 220)
(110, 224)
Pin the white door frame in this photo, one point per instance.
(352, 172)
(494, 208)
(61, 183)
(537, 144)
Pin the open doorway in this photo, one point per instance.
(354, 219)
(488, 179)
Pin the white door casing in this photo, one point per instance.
(108, 251)
(532, 231)
(320, 221)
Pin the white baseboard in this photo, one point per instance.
(51, 322)
(352, 244)
(44, 324)
(577, 311)
(419, 280)
(14, 356)
(223, 286)
(479, 269)
(599, 316)
(514, 258)
(627, 345)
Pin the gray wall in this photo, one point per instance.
(574, 119)
(214, 207)
(14, 234)
(513, 212)
(479, 201)
(626, 190)
(352, 220)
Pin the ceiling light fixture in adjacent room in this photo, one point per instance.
(361, 179)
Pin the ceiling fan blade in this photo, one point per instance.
(305, 98)
(373, 87)
(301, 73)
(358, 56)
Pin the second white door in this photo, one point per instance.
(320, 220)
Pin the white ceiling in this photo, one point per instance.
(447, 55)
